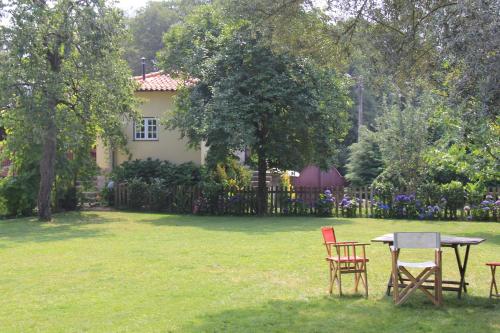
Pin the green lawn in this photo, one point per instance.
(131, 272)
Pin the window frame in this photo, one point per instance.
(146, 125)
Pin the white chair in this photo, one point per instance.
(417, 240)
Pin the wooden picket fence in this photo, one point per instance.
(280, 201)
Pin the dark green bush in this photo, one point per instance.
(429, 193)
(108, 195)
(158, 194)
(453, 198)
(148, 170)
(19, 194)
(67, 198)
(137, 193)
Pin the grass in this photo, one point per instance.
(132, 272)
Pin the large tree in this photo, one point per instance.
(147, 27)
(246, 95)
(64, 82)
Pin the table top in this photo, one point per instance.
(446, 240)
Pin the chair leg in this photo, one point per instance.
(416, 283)
(438, 279)
(357, 277)
(339, 280)
(493, 282)
(365, 273)
(333, 276)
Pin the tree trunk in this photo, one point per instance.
(261, 185)
(47, 167)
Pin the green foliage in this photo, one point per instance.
(63, 84)
(325, 203)
(429, 193)
(453, 198)
(67, 198)
(158, 193)
(403, 137)
(137, 193)
(18, 194)
(230, 173)
(289, 112)
(365, 160)
(147, 27)
(150, 170)
(107, 196)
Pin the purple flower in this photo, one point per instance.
(497, 202)
(489, 197)
(467, 208)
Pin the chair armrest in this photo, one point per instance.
(347, 244)
(342, 243)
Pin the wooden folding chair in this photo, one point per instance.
(345, 258)
(493, 285)
(417, 240)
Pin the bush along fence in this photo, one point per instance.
(336, 201)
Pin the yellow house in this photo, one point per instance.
(147, 138)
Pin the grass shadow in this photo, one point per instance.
(63, 226)
(490, 237)
(351, 314)
(246, 224)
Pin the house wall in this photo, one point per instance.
(169, 146)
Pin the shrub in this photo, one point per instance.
(108, 194)
(137, 193)
(158, 194)
(488, 207)
(404, 206)
(453, 198)
(381, 210)
(67, 198)
(19, 194)
(325, 203)
(230, 173)
(148, 170)
(293, 205)
(348, 206)
(429, 193)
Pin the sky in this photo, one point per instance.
(130, 6)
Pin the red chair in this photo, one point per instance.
(343, 259)
(493, 267)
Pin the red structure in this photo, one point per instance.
(312, 176)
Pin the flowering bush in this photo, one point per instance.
(348, 206)
(325, 203)
(429, 212)
(404, 206)
(294, 205)
(381, 210)
(488, 207)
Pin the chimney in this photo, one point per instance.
(143, 68)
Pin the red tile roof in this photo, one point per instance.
(157, 81)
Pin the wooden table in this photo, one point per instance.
(446, 241)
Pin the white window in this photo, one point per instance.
(146, 129)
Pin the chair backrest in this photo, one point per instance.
(328, 235)
(417, 240)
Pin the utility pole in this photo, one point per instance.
(360, 103)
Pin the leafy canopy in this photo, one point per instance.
(247, 95)
(63, 84)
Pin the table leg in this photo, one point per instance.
(462, 268)
(390, 283)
